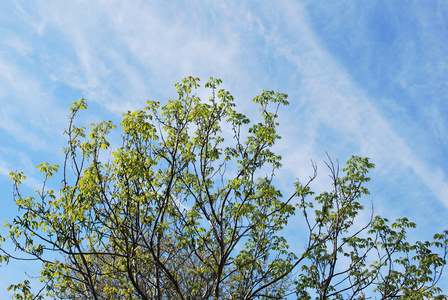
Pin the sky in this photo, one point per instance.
(367, 78)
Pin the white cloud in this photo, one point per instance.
(26, 110)
(135, 49)
(333, 101)
(120, 54)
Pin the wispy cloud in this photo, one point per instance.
(333, 102)
(119, 55)
(26, 109)
(132, 51)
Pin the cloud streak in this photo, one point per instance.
(335, 103)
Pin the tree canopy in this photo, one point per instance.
(187, 208)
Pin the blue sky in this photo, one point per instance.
(363, 77)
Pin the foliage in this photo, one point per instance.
(179, 211)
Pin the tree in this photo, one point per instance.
(180, 212)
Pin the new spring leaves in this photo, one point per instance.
(178, 211)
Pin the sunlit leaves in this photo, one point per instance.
(187, 207)
(380, 259)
